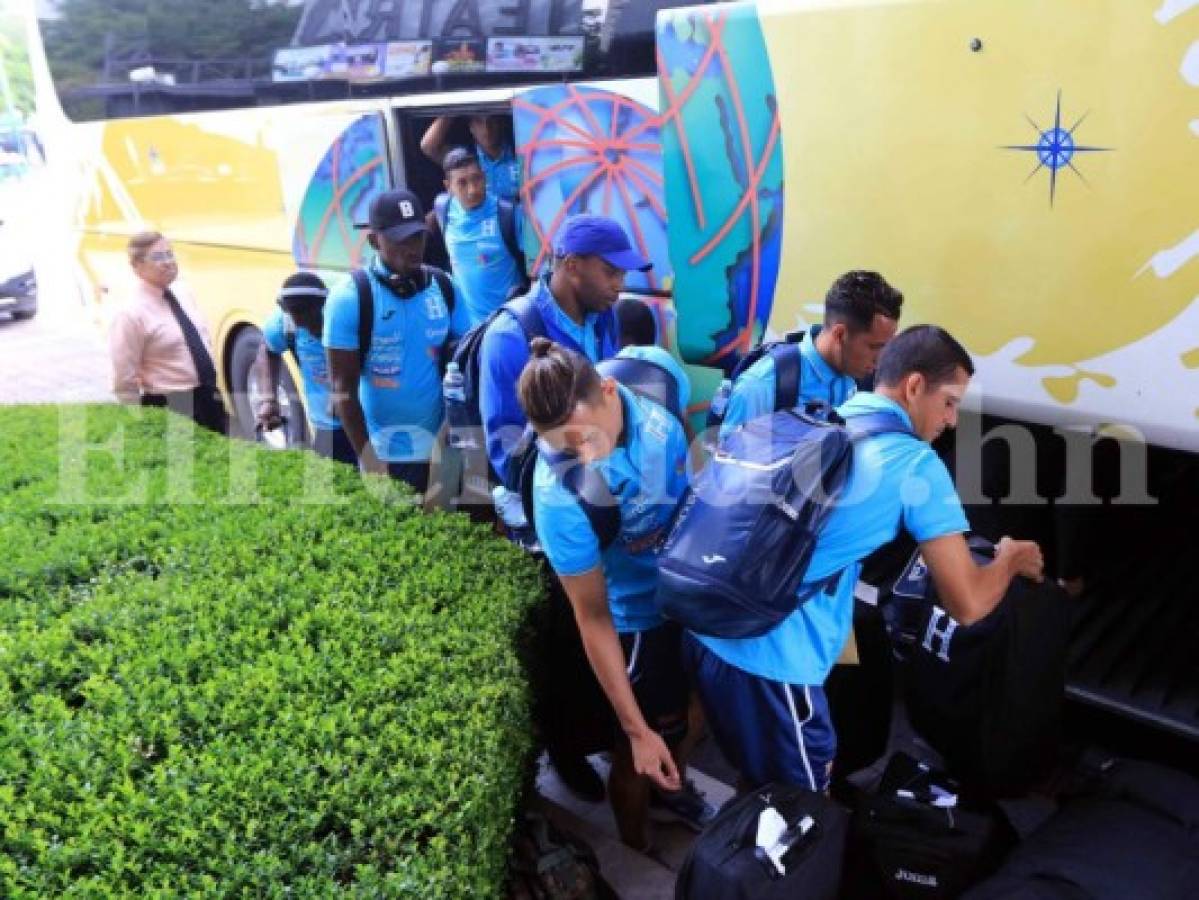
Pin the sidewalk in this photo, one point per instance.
(61, 354)
(632, 875)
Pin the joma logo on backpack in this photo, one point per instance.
(916, 878)
(711, 559)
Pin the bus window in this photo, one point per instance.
(169, 56)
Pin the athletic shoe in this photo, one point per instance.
(688, 806)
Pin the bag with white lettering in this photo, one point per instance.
(914, 839)
(778, 842)
(988, 697)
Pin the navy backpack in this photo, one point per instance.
(739, 548)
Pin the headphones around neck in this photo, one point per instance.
(406, 285)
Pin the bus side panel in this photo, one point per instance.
(245, 196)
(584, 149)
(723, 161)
(337, 199)
(1025, 171)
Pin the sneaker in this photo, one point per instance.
(688, 806)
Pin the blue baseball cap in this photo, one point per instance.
(600, 236)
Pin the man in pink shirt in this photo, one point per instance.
(161, 349)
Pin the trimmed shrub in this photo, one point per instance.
(249, 673)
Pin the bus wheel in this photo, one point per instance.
(248, 392)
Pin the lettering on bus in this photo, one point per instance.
(326, 21)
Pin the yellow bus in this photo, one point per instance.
(1025, 171)
(254, 134)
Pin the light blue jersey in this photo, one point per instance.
(646, 472)
(483, 267)
(502, 174)
(754, 391)
(896, 479)
(314, 367)
(400, 387)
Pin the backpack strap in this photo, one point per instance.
(366, 313)
(506, 213)
(441, 210)
(594, 496)
(528, 316)
(873, 424)
(289, 335)
(787, 371)
(444, 284)
(647, 378)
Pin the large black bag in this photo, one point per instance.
(1133, 835)
(988, 696)
(913, 838)
(724, 863)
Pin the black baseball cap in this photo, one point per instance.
(396, 215)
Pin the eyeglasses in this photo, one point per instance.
(161, 256)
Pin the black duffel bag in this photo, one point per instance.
(988, 697)
(1133, 834)
(802, 863)
(913, 838)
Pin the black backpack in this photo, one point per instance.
(506, 213)
(466, 418)
(644, 378)
(785, 353)
(366, 308)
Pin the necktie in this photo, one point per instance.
(195, 344)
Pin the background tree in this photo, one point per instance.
(158, 31)
(15, 58)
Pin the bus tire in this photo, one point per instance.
(247, 392)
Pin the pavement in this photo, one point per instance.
(632, 875)
(61, 354)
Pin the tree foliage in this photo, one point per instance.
(15, 58)
(163, 30)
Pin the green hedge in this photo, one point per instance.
(248, 675)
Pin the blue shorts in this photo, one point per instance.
(769, 730)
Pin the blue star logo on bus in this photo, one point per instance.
(1056, 147)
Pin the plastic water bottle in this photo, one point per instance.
(716, 411)
(453, 393)
(720, 403)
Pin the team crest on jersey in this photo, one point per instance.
(434, 305)
(656, 426)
